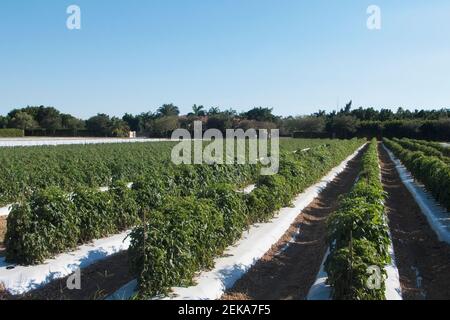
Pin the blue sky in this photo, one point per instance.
(293, 55)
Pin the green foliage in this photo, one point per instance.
(25, 169)
(348, 271)
(233, 208)
(183, 236)
(436, 145)
(11, 133)
(184, 233)
(150, 191)
(94, 209)
(50, 221)
(272, 193)
(60, 206)
(125, 206)
(41, 227)
(358, 235)
(103, 125)
(415, 146)
(432, 171)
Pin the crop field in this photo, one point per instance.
(68, 167)
(177, 225)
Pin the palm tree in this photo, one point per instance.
(198, 110)
(168, 110)
(213, 111)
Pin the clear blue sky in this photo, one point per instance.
(293, 55)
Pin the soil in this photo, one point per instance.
(423, 261)
(2, 234)
(289, 274)
(98, 281)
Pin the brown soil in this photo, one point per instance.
(2, 234)
(97, 282)
(289, 274)
(423, 261)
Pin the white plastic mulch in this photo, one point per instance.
(437, 216)
(393, 287)
(238, 259)
(4, 211)
(20, 279)
(321, 291)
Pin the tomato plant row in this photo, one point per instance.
(185, 233)
(436, 145)
(51, 221)
(358, 237)
(432, 171)
(414, 145)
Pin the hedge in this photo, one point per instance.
(186, 233)
(358, 236)
(432, 171)
(11, 133)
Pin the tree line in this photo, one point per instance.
(344, 123)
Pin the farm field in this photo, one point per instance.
(182, 220)
(417, 248)
(98, 224)
(68, 167)
(37, 141)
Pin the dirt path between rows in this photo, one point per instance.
(423, 261)
(2, 234)
(98, 281)
(289, 274)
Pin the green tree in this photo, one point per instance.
(304, 124)
(23, 120)
(198, 111)
(99, 124)
(134, 122)
(118, 128)
(163, 126)
(49, 118)
(219, 121)
(213, 111)
(3, 122)
(70, 122)
(386, 114)
(260, 114)
(168, 110)
(344, 126)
